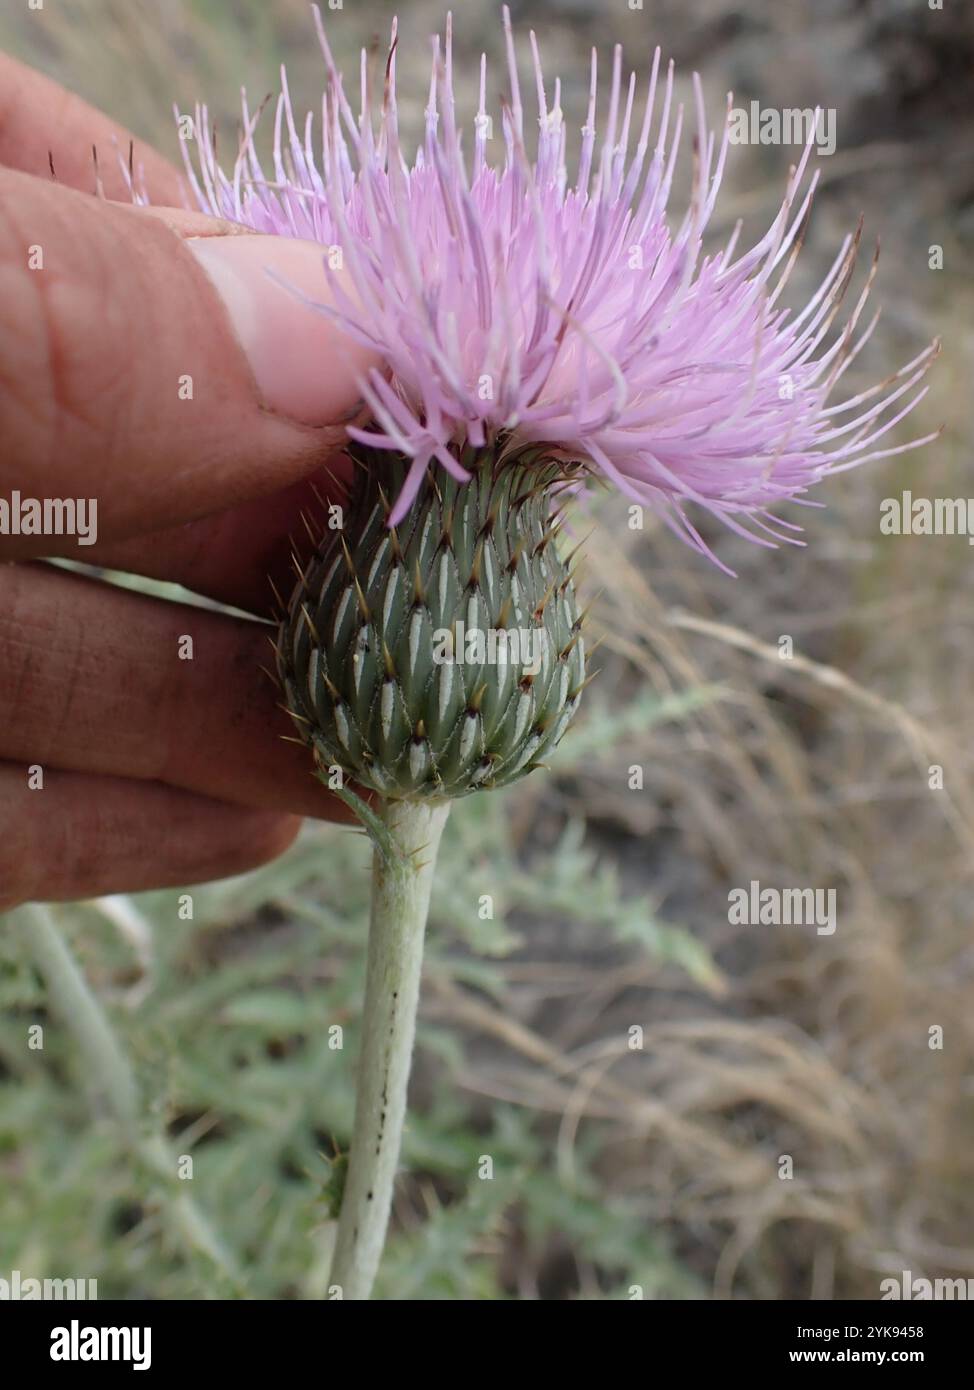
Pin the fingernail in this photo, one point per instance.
(305, 367)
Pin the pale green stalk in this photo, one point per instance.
(402, 876)
(110, 1073)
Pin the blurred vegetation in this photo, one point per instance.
(229, 1017)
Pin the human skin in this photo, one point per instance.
(157, 770)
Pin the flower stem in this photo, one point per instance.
(105, 1063)
(402, 876)
(106, 1066)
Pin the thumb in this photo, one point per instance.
(161, 372)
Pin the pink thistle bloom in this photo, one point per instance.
(513, 308)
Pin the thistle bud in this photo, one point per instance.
(444, 654)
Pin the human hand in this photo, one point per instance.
(147, 364)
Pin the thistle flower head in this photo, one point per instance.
(533, 328)
(515, 305)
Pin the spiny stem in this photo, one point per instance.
(105, 1063)
(400, 901)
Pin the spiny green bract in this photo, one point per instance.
(361, 653)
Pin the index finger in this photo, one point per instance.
(152, 379)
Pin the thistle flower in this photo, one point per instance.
(526, 323)
(514, 307)
(533, 332)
